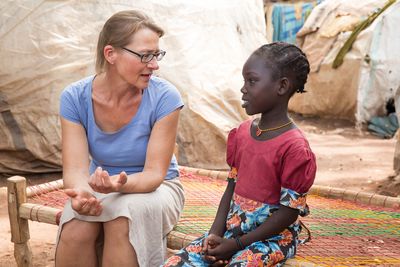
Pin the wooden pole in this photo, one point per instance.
(16, 195)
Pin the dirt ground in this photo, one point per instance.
(346, 158)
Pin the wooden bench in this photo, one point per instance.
(203, 189)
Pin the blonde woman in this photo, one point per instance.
(118, 134)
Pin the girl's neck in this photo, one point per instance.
(269, 127)
(273, 119)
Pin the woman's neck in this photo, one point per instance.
(112, 88)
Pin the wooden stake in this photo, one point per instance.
(16, 195)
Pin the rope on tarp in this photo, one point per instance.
(359, 28)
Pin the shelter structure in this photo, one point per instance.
(46, 45)
(363, 35)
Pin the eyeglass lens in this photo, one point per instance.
(146, 58)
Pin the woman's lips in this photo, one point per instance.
(146, 76)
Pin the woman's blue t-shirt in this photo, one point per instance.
(125, 149)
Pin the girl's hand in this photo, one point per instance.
(100, 181)
(220, 263)
(83, 202)
(220, 249)
(210, 242)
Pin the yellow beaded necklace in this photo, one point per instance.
(260, 131)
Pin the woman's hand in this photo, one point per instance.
(218, 250)
(100, 181)
(83, 202)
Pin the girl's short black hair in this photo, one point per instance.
(287, 60)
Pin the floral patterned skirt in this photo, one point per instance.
(244, 216)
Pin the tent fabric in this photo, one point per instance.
(284, 20)
(359, 89)
(327, 22)
(46, 45)
(396, 158)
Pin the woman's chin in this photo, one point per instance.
(141, 85)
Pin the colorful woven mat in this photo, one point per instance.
(344, 233)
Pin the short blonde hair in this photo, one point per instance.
(118, 31)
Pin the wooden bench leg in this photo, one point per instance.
(16, 195)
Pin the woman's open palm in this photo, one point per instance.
(100, 181)
(83, 202)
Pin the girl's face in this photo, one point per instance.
(129, 65)
(260, 88)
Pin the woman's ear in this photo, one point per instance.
(109, 54)
(284, 86)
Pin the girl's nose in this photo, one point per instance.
(243, 89)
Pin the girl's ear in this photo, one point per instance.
(284, 86)
(109, 54)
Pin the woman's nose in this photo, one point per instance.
(243, 89)
(153, 64)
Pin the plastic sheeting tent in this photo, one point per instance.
(370, 73)
(45, 45)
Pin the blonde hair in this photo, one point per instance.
(118, 31)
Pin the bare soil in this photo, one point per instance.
(346, 157)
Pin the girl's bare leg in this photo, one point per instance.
(76, 246)
(118, 251)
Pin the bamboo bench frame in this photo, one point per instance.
(20, 211)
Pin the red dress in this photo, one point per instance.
(264, 168)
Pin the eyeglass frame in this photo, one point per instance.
(141, 56)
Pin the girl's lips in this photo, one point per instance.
(245, 103)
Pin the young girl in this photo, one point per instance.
(272, 169)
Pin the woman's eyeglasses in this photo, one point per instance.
(146, 58)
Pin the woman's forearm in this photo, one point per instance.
(75, 179)
(143, 182)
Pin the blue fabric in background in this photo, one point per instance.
(285, 23)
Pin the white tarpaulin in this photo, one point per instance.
(45, 45)
(370, 73)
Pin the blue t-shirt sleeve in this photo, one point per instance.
(169, 101)
(68, 106)
(74, 101)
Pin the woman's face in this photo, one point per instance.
(129, 65)
(260, 88)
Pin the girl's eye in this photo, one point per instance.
(251, 81)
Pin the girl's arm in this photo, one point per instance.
(223, 249)
(219, 225)
(275, 224)
(158, 156)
